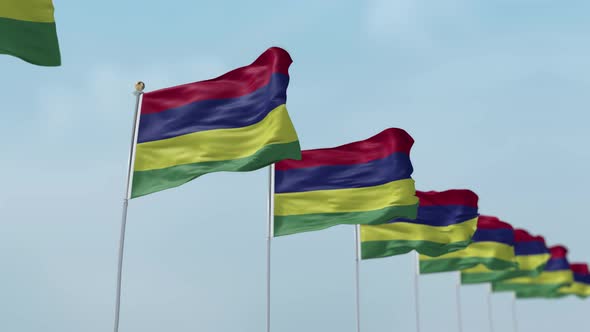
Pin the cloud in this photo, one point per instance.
(413, 23)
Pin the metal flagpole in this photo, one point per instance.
(416, 290)
(139, 86)
(357, 238)
(491, 319)
(458, 297)
(271, 209)
(514, 316)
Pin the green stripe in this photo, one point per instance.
(285, 225)
(379, 249)
(495, 276)
(458, 264)
(544, 291)
(526, 288)
(147, 182)
(32, 42)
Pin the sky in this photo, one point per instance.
(494, 93)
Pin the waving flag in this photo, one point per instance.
(27, 31)
(555, 275)
(531, 256)
(367, 182)
(237, 122)
(445, 223)
(581, 285)
(492, 246)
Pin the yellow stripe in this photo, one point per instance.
(417, 232)
(395, 193)
(525, 263)
(478, 269)
(531, 262)
(547, 277)
(480, 249)
(576, 288)
(27, 10)
(218, 144)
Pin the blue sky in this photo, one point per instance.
(494, 93)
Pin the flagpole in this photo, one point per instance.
(490, 318)
(458, 298)
(271, 208)
(357, 238)
(416, 290)
(514, 316)
(139, 86)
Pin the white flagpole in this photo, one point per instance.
(514, 316)
(357, 238)
(139, 86)
(490, 317)
(417, 291)
(271, 209)
(458, 297)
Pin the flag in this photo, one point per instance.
(581, 285)
(27, 31)
(237, 122)
(492, 245)
(531, 255)
(366, 182)
(555, 275)
(445, 223)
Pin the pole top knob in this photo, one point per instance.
(139, 86)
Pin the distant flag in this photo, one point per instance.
(367, 182)
(445, 223)
(555, 275)
(492, 246)
(237, 122)
(581, 285)
(531, 255)
(27, 31)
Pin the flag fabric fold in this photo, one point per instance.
(580, 287)
(237, 122)
(445, 223)
(365, 182)
(492, 245)
(556, 274)
(28, 32)
(531, 254)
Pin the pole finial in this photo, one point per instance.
(139, 86)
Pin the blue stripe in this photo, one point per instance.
(582, 278)
(530, 248)
(557, 264)
(443, 215)
(502, 235)
(215, 113)
(396, 166)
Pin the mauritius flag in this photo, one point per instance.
(556, 274)
(237, 122)
(27, 31)
(366, 182)
(531, 255)
(581, 285)
(445, 223)
(492, 246)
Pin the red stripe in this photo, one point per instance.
(462, 197)
(489, 222)
(520, 235)
(379, 146)
(236, 83)
(579, 268)
(558, 251)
